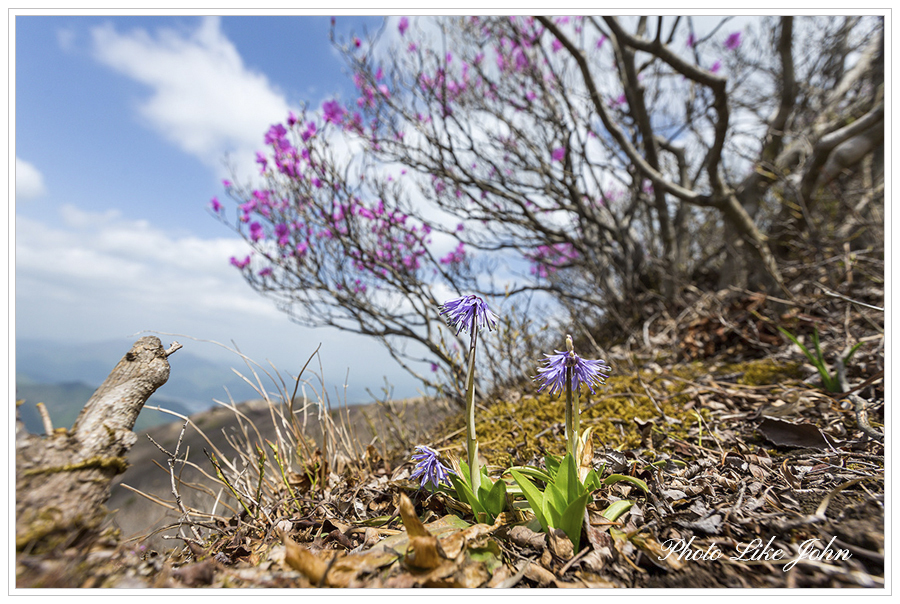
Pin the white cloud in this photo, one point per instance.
(100, 276)
(203, 98)
(121, 268)
(29, 181)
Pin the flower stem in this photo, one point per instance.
(471, 437)
(571, 436)
(571, 402)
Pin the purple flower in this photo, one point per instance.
(733, 41)
(333, 111)
(691, 41)
(283, 233)
(275, 133)
(715, 67)
(456, 256)
(558, 154)
(553, 373)
(461, 312)
(256, 231)
(403, 25)
(241, 264)
(215, 205)
(557, 45)
(429, 468)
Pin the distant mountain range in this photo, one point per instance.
(64, 401)
(63, 376)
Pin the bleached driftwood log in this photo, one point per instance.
(63, 480)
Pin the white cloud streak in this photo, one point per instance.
(29, 181)
(203, 98)
(100, 276)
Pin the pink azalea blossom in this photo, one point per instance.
(733, 41)
(333, 111)
(241, 264)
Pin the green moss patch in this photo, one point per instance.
(516, 431)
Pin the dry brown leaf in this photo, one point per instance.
(301, 559)
(455, 543)
(413, 525)
(335, 569)
(560, 545)
(656, 552)
(539, 575)
(786, 434)
(525, 537)
(424, 553)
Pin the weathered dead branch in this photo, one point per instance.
(63, 479)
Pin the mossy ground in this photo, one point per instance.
(525, 426)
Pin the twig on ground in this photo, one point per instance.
(859, 403)
(171, 458)
(833, 294)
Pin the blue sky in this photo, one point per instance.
(122, 125)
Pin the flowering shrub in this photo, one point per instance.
(557, 153)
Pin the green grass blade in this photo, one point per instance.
(635, 481)
(803, 348)
(592, 481)
(495, 500)
(572, 519)
(552, 464)
(533, 495)
(852, 352)
(817, 347)
(533, 472)
(464, 493)
(554, 503)
(618, 508)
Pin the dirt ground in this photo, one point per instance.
(756, 477)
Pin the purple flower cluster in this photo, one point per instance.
(462, 312)
(317, 210)
(547, 259)
(429, 469)
(553, 373)
(456, 256)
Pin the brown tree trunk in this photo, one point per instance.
(63, 480)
